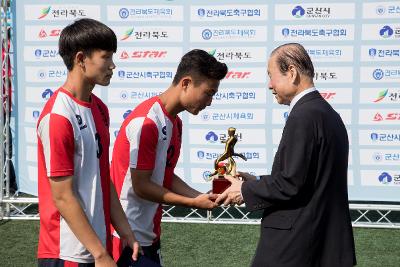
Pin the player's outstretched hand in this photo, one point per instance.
(205, 201)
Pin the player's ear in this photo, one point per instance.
(79, 59)
(185, 82)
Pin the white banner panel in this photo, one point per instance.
(237, 54)
(147, 54)
(144, 13)
(379, 137)
(380, 74)
(147, 34)
(381, 32)
(216, 137)
(380, 96)
(380, 53)
(232, 12)
(381, 10)
(228, 34)
(314, 11)
(228, 116)
(315, 32)
(387, 178)
(55, 12)
(371, 157)
(209, 155)
(332, 54)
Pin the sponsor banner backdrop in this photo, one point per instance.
(354, 46)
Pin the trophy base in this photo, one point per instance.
(219, 185)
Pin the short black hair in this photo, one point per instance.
(199, 65)
(85, 35)
(293, 54)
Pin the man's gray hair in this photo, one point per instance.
(293, 54)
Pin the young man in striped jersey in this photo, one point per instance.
(77, 201)
(147, 149)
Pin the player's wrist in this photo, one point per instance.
(100, 254)
(191, 202)
(130, 238)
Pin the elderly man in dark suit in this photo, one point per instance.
(306, 219)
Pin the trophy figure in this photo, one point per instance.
(221, 167)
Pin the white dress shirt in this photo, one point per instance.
(298, 96)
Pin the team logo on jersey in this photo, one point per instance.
(80, 122)
(164, 132)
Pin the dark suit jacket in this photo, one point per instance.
(306, 220)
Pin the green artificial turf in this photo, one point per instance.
(202, 245)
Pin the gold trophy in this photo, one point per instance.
(219, 183)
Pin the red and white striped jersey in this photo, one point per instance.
(149, 139)
(73, 140)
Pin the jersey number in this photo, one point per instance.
(99, 146)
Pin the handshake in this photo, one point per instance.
(231, 196)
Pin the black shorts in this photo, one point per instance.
(153, 252)
(61, 263)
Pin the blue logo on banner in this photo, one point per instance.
(47, 93)
(35, 114)
(124, 13)
(206, 175)
(126, 114)
(372, 52)
(38, 52)
(206, 34)
(377, 74)
(205, 116)
(116, 133)
(380, 10)
(41, 74)
(211, 137)
(374, 136)
(200, 154)
(285, 32)
(286, 115)
(386, 31)
(377, 156)
(201, 12)
(298, 12)
(123, 94)
(385, 178)
(121, 74)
